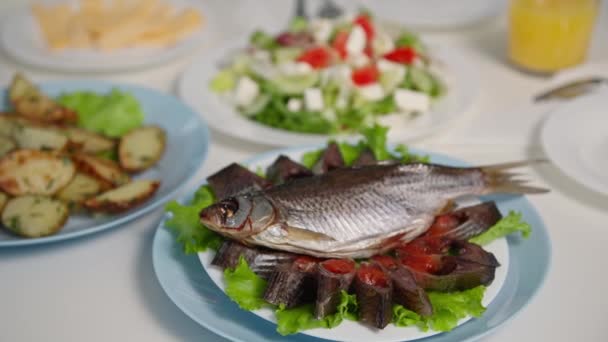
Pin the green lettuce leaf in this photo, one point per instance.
(245, 287)
(223, 81)
(112, 114)
(404, 155)
(291, 321)
(186, 224)
(509, 224)
(448, 309)
(310, 158)
(375, 139)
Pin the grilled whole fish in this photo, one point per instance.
(354, 212)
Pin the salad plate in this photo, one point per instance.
(194, 290)
(454, 91)
(21, 38)
(187, 142)
(575, 138)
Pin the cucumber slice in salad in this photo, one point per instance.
(293, 85)
(286, 54)
(257, 105)
(421, 80)
(390, 80)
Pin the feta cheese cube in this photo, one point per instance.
(372, 92)
(384, 65)
(294, 105)
(313, 99)
(321, 30)
(355, 43)
(246, 91)
(382, 43)
(262, 55)
(408, 100)
(295, 68)
(359, 60)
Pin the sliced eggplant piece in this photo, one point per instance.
(330, 159)
(464, 223)
(234, 179)
(474, 253)
(334, 276)
(34, 172)
(457, 275)
(405, 289)
(40, 138)
(124, 197)
(262, 261)
(80, 188)
(105, 170)
(6, 145)
(284, 169)
(34, 215)
(291, 285)
(366, 158)
(141, 148)
(28, 101)
(87, 141)
(374, 292)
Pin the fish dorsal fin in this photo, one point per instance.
(295, 233)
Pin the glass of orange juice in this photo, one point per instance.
(549, 35)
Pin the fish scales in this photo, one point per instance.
(354, 212)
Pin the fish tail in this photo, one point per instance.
(499, 179)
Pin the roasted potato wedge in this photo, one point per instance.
(7, 125)
(34, 172)
(87, 141)
(123, 198)
(80, 188)
(28, 101)
(6, 145)
(104, 170)
(3, 200)
(141, 148)
(39, 138)
(34, 215)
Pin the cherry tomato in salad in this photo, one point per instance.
(366, 75)
(405, 55)
(339, 43)
(318, 57)
(366, 24)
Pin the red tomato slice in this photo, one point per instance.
(386, 261)
(339, 44)
(366, 24)
(443, 224)
(372, 275)
(338, 266)
(318, 57)
(366, 75)
(423, 263)
(405, 55)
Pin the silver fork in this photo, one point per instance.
(572, 89)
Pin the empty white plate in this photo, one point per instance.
(575, 138)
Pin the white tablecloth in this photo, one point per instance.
(103, 288)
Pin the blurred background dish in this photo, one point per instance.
(187, 143)
(104, 38)
(575, 138)
(436, 14)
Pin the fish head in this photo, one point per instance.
(239, 216)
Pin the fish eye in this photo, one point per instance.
(228, 208)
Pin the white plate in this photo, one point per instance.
(575, 138)
(193, 88)
(21, 38)
(436, 14)
(354, 331)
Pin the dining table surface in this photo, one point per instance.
(103, 287)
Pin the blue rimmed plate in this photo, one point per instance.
(194, 292)
(187, 143)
